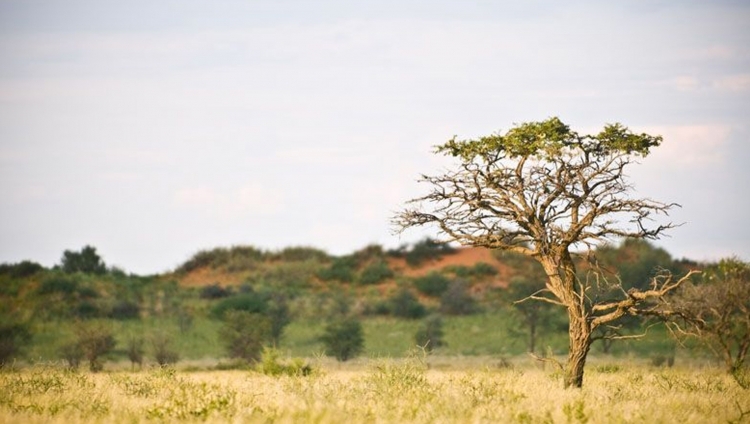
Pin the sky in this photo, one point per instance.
(152, 130)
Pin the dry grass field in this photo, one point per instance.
(376, 391)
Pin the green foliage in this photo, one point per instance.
(375, 273)
(255, 303)
(547, 140)
(164, 352)
(343, 338)
(270, 363)
(23, 269)
(430, 334)
(135, 350)
(341, 269)
(125, 309)
(300, 254)
(234, 259)
(291, 278)
(280, 316)
(404, 304)
(457, 301)
(14, 336)
(86, 261)
(433, 284)
(716, 310)
(71, 353)
(244, 334)
(636, 262)
(425, 250)
(215, 291)
(95, 340)
(57, 283)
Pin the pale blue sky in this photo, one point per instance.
(154, 129)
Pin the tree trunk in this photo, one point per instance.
(532, 336)
(580, 343)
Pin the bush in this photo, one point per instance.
(215, 291)
(86, 261)
(405, 305)
(289, 277)
(433, 284)
(72, 354)
(343, 338)
(95, 341)
(135, 351)
(375, 273)
(164, 353)
(14, 335)
(249, 302)
(301, 254)
(342, 269)
(457, 300)
(22, 269)
(270, 364)
(124, 309)
(430, 334)
(279, 315)
(427, 250)
(58, 284)
(244, 334)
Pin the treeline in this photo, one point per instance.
(85, 298)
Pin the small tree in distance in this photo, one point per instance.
(244, 334)
(716, 311)
(544, 191)
(343, 338)
(86, 261)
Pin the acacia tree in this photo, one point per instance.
(547, 192)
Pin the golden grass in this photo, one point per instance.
(378, 391)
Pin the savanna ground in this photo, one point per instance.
(409, 390)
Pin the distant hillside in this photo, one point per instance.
(244, 265)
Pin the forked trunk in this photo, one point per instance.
(580, 343)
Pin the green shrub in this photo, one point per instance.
(135, 351)
(301, 254)
(249, 302)
(343, 338)
(457, 300)
(22, 269)
(341, 269)
(375, 273)
(95, 340)
(405, 305)
(164, 353)
(14, 336)
(58, 284)
(124, 309)
(86, 261)
(72, 354)
(430, 334)
(271, 364)
(215, 291)
(289, 277)
(87, 310)
(433, 284)
(244, 334)
(427, 250)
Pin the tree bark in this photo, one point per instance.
(580, 343)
